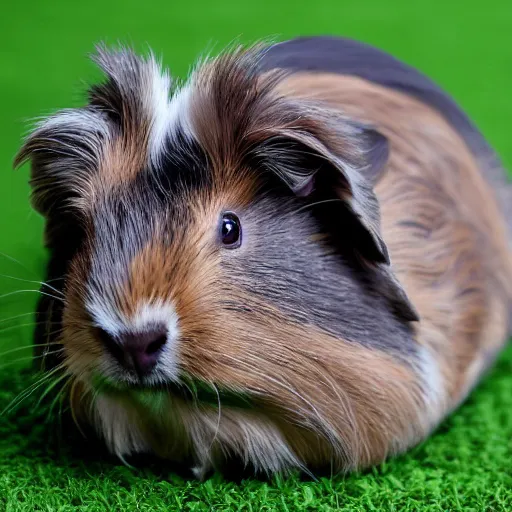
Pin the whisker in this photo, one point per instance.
(34, 291)
(29, 390)
(3, 320)
(14, 260)
(311, 205)
(31, 324)
(26, 347)
(60, 397)
(55, 279)
(191, 388)
(29, 358)
(51, 386)
(33, 282)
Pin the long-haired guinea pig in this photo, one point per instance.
(298, 258)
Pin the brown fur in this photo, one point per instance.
(451, 254)
(123, 158)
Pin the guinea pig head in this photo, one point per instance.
(217, 233)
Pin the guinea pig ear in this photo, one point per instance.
(62, 151)
(336, 165)
(375, 147)
(330, 166)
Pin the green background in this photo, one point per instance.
(464, 46)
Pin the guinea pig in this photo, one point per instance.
(299, 258)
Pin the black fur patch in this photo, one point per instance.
(184, 166)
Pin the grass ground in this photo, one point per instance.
(465, 46)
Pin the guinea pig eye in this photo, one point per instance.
(231, 231)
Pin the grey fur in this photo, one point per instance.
(315, 283)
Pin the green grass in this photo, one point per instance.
(466, 48)
(464, 466)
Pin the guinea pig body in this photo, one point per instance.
(299, 260)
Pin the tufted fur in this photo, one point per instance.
(369, 293)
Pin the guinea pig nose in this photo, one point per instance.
(142, 350)
(138, 351)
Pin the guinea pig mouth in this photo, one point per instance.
(187, 389)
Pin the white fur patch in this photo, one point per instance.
(116, 427)
(254, 438)
(105, 316)
(166, 114)
(179, 111)
(147, 315)
(156, 104)
(79, 119)
(433, 385)
(210, 433)
(150, 313)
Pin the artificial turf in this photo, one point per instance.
(465, 46)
